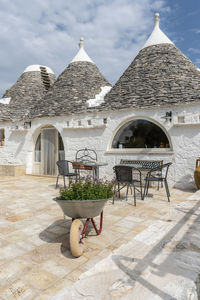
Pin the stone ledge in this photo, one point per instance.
(12, 170)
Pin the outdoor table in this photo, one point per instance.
(141, 168)
(95, 167)
(137, 166)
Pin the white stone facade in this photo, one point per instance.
(183, 133)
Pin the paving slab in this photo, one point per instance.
(160, 262)
(36, 263)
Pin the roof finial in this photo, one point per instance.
(81, 55)
(81, 43)
(156, 19)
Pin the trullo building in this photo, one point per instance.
(152, 112)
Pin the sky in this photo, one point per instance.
(47, 32)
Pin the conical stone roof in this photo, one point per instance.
(159, 75)
(78, 83)
(28, 91)
(4, 112)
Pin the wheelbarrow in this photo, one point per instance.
(81, 209)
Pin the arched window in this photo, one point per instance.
(38, 149)
(2, 137)
(61, 150)
(140, 134)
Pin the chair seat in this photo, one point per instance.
(155, 179)
(126, 182)
(72, 174)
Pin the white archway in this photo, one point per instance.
(46, 147)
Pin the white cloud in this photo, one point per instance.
(194, 50)
(196, 30)
(197, 62)
(47, 32)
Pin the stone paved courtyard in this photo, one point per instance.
(35, 261)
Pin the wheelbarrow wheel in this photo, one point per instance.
(76, 243)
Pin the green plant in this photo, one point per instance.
(5, 93)
(86, 189)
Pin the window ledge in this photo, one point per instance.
(186, 124)
(19, 130)
(140, 151)
(88, 127)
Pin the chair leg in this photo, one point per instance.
(134, 195)
(167, 190)
(64, 181)
(57, 181)
(141, 190)
(159, 185)
(70, 181)
(131, 189)
(119, 190)
(114, 193)
(127, 191)
(145, 187)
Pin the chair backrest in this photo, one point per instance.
(123, 173)
(63, 167)
(163, 173)
(166, 166)
(144, 164)
(86, 155)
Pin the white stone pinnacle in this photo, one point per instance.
(81, 55)
(33, 68)
(157, 36)
(81, 43)
(156, 19)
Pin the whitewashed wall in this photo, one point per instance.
(185, 140)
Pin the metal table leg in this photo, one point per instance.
(96, 172)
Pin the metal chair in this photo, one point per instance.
(87, 155)
(124, 176)
(158, 175)
(64, 171)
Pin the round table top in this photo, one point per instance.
(95, 164)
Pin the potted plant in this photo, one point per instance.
(77, 165)
(84, 199)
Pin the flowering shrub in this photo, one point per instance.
(86, 189)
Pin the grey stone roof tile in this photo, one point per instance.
(159, 75)
(79, 82)
(27, 92)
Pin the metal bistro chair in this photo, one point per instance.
(86, 155)
(124, 176)
(158, 174)
(64, 171)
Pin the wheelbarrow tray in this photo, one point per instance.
(81, 208)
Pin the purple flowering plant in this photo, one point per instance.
(87, 189)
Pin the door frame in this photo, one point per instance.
(38, 167)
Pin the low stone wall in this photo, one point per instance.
(12, 170)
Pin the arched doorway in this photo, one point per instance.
(49, 148)
(140, 133)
